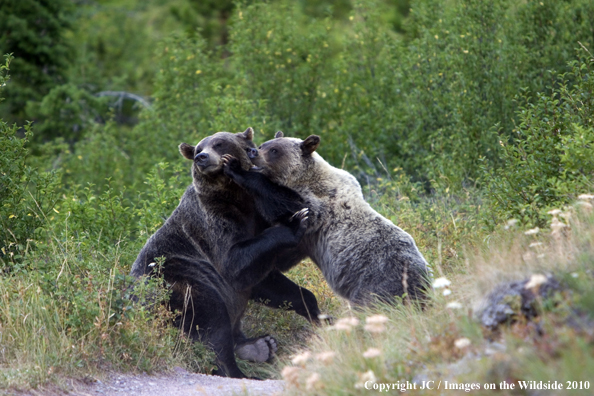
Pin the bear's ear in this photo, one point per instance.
(248, 133)
(187, 151)
(310, 144)
(279, 134)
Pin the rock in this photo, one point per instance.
(511, 300)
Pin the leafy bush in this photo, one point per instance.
(75, 295)
(27, 195)
(67, 112)
(548, 163)
(35, 33)
(426, 101)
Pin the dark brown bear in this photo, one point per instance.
(220, 252)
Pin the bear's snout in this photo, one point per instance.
(252, 153)
(201, 159)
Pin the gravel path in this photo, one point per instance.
(177, 383)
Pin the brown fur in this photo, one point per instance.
(217, 251)
(362, 254)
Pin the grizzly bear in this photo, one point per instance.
(362, 255)
(220, 252)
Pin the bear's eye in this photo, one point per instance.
(273, 151)
(218, 145)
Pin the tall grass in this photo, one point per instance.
(445, 341)
(69, 314)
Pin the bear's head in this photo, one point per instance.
(286, 160)
(207, 154)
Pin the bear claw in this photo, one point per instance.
(230, 164)
(301, 215)
(301, 223)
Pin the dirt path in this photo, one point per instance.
(177, 383)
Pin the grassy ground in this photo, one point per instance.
(68, 315)
(445, 342)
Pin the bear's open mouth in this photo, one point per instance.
(255, 168)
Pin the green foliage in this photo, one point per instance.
(442, 225)
(27, 195)
(161, 199)
(34, 32)
(67, 112)
(548, 163)
(115, 42)
(79, 317)
(75, 296)
(427, 102)
(433, 96)
(460, 70)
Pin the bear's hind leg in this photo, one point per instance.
(278, 291)
(259, 349)
(204, 316)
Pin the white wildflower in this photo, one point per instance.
(301, 358)
(454, 305)
(585, 197)
(349, 321)
(340, 327)
(363, 378)
(291, 375)
(532, 231)
(312, 382)
(554, 212)
(441, 282)
(446, 292)
(372, 353)
(557, 225)
(462, 343)
(345, 324)
(566, 215)
(535, 281)
(511, 223)
(375, 328)
(376, 319)
(326, 357)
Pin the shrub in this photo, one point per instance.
(67, 112)
(27, 195)
(34, 31)
(548, 162)
(426, 101)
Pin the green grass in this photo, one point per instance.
(68, 315)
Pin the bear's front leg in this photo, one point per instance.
(248, 262)
(232, 167)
